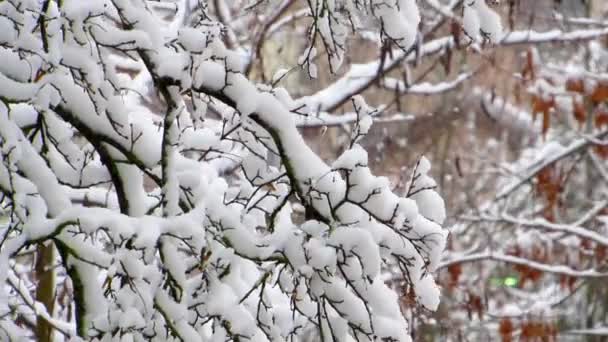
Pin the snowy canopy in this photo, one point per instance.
(170, 225)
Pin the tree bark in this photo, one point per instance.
(45, 291)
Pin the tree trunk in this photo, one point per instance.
(597, 8)
(45, 292)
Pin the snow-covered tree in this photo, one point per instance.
(530, 262)
(155, 192)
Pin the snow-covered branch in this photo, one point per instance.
(510, 259)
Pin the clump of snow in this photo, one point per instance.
(480, 19)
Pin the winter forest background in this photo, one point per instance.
(291, 170)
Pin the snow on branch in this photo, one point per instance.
(362, 76)
(510, 259)
(550, 155)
